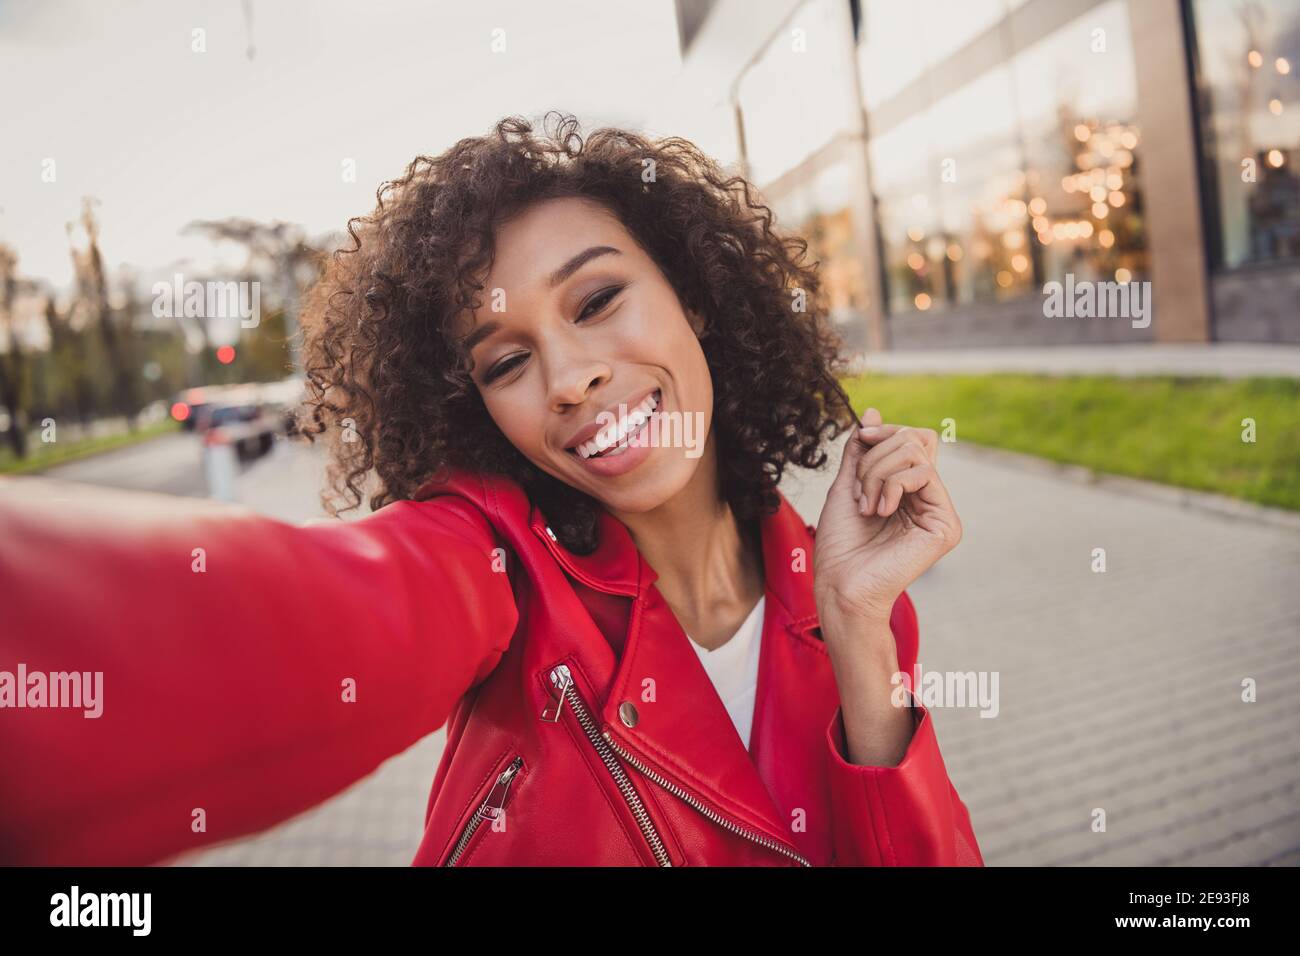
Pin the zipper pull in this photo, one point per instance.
(560, 681)
(495, 803)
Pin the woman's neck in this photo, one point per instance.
(709, 571)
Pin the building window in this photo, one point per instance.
(1025, 170)
(1248, 65)
(1077, 95)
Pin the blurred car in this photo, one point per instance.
(248, 416)
(250, 428)
(285, 397)
(190, 402)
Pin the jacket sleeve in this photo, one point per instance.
(908, 815)
(234, 670)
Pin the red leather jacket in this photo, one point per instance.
(256, 677)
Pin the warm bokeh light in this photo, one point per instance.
(1275, 106)
(1116, 199)
(226, 354)
(1275, 158)
(1255, 59)
(916, 261)
(916, 234)
(922, 301)
(1100, 210)
(1082, 133)
(1283, 65)
(1106, 238)
(180, 411)
(1019, 262)
(1038, 205)
(1122, 275)
(954, 252)
(1004, 278)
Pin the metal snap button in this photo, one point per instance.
(627, 713)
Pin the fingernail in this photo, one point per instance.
(868, 429)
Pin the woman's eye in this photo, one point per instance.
(501, 368)
(593, 305)
(599, 301)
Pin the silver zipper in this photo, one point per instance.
(715, 817)
(493, 806)
(563, 689)
(562, 682)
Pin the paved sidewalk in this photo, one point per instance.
(1118, 691)
(1219, 360)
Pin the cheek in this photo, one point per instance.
(519, 421)
(693, 368)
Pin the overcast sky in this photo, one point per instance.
(161, 135)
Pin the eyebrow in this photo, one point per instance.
(491, 327)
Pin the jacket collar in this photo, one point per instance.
(616, 566)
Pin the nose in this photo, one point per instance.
(570, 378)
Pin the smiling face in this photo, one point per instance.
(577, 320)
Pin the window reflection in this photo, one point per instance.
(1078, 98)
(1026, 172)
(819, 208)
(1249, 63)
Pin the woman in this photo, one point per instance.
(571, 375)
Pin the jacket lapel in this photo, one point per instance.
(681, 726)
(797, 694)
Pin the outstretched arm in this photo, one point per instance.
(242, 669)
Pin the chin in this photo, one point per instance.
(648, 492)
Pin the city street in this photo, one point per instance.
(1119, 691)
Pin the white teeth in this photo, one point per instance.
(613, 434)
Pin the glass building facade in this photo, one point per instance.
(948, 158)
(1248, 99)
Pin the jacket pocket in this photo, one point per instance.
(490, 808)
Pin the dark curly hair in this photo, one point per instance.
(379, 347)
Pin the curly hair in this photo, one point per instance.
(389, 381)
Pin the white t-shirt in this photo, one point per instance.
(733, 668)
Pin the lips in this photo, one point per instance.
(598, 440)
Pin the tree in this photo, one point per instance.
(12, 362)
(279, 253)
(92, 294)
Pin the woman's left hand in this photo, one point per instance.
(887, 518)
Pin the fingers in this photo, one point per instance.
(921, 480)
(886, 461)
(903, 448)
(928, 437)
(854, 448)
